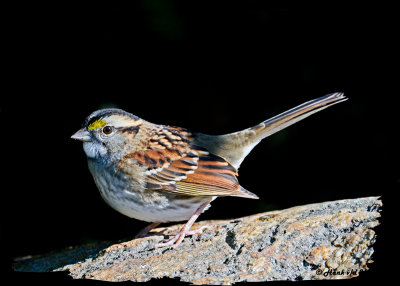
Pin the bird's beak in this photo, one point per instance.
(82, 135)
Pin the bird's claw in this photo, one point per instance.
(178, 238)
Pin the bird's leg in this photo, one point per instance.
(144, 231)
(185, 230)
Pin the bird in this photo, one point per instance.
(160, 173)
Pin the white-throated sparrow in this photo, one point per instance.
(159, 173)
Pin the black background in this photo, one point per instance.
(212, 68)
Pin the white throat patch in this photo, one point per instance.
(93, 150)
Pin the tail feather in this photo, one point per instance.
(287, 118)
(234, 147)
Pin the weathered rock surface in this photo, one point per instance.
(330, 240)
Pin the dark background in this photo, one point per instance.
(213, 68)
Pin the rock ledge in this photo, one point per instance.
(330, 240)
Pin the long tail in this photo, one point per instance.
(287, 118)
(234, 147)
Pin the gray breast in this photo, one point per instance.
(146, 205)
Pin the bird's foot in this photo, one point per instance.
(196, 231)
(185, 230)
(178, 238)
(145, 231)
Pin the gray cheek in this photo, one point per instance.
(93, 150)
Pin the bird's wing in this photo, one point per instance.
(174, 164)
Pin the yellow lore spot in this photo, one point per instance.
(97, 124)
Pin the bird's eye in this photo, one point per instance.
(107, 130)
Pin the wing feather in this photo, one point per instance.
(174, 164)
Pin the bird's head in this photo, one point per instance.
(106, 132)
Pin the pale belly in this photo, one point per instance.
(147, 206)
